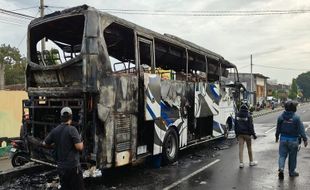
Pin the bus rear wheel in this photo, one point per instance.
(170, 147)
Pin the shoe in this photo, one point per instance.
(281, 174)
(253, 163)
(241, 165)
(294, 174)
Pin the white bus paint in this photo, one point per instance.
(191, 175)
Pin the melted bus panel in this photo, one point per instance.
(133, 92)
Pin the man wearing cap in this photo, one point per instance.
(68, 144)
(244, 129)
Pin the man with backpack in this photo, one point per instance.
(244, 129)
(290, 129)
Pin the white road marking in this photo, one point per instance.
(191, 175)
(270, 129)
(305, 123)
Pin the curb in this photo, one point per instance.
(255, 115)
(267, 112)
(4, 158)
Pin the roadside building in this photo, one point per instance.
(259, 86)
(10, 110)
(279, 91)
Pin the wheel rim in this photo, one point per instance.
(20, 160)
(171, 146)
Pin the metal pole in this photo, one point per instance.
(42, 14)
(252, 95)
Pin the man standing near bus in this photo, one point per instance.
(290, 129)
(244, 129)
(68, 144)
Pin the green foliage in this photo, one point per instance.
(294, 90)
(14, 65)
(275, 94)
(303, 81)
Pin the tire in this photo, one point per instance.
(226, 130)
(170, 147)
(19, 159)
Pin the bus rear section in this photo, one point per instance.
(72, 71)
(56, 78)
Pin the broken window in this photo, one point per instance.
(121, 48)
(170, 61)
(63, 40)
(146, 56)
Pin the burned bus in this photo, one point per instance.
(133, 92)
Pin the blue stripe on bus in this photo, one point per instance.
(165, 117)
(215, 94)
(150, 111)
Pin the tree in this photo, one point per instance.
(304, 84)
(294, 90)
(12, 66)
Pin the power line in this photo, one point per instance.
(243, 67)
(282, 68)
(201, 13)
(8, 22)
(15, 14)
(20, 43)
(26, 8)
(208, 12)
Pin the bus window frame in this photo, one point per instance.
(150, 42)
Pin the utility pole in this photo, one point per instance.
(252, 94)
(42, 14)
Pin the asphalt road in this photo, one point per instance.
(225, 174)
(213, 165)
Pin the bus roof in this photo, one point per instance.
(79, 10)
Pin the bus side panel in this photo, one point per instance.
(174, 109)
(117, 110)
(151, 96)
(227, 111)
(207, 98)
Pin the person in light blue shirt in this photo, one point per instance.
(290, 129)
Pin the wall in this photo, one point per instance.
(11, 112)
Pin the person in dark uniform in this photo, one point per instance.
(68, 144)
(290, 129)
(244, 129)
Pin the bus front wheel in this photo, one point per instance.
(170, 147)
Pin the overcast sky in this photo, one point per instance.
(274, 40)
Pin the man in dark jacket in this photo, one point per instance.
(244, 129)
(67, 143)
(289, 128)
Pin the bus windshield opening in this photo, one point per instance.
(62, 37)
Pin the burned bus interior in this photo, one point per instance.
(63, 38)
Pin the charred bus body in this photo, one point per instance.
(133, 92)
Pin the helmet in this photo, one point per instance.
(244, 105)
(290, 106)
